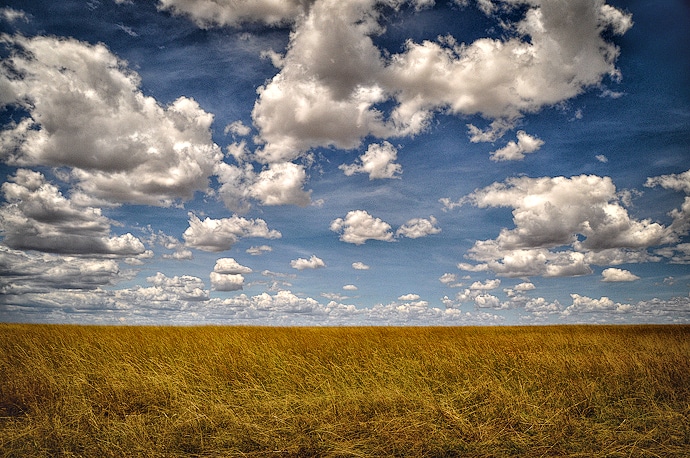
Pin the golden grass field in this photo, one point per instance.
(586, 391)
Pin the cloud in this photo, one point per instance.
(525, 262)
(259, 250)
(277, 184)
(359, 226)
(85, 110)
(350, 288)
(583, 213)
(30, 272)
(170, 243)
(333, 79)
(360, 266)
(679, 254)
(216, 235)
(601, 158)
(584, 304)
(478, 294)
(418, 227)
(226, 282)
(516, 151)
(378, 161)
(677, 182)
(230, 266)
(540, 306)
(525, 286)
(237, 128)
(185, 287)
(36, 216)
(448, 278)
(488, 301)
(281, 184)
(409, 297)
(488, 285)
(209, 13)
(11, 15)
(618, 275)
(312, 263)
(281, 302)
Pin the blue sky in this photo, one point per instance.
(345, 162)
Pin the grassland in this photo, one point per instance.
(289, 392)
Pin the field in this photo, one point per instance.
(292, 392)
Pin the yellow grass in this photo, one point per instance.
(280, 392)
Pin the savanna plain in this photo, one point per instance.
(594, 391)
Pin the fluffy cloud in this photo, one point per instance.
(679, 254)
(226, 282)
(358, 226)
(360, 266)
(230, 266)
(448, 278)
(277, 184)
(185, 287)
(540, 307)
(618, 275)
(676, 182)
(516, 151)
(171, 243)
(85, 110)
(378, 161)
(584, 304)
(23, 273)
(525, 262)
(350, 288)
(237, 128)
(418, 227)
(333, 78)
(36, 216)
(582, 212)
(312, 263)
(281, 184)
(525, 286)
(477, 293)
(488, 285)
(221, 234)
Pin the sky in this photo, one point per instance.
(345, 162)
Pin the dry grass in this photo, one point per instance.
(281, 392)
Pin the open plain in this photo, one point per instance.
(375, 391)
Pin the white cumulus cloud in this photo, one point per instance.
(230, 266)
(313, 262)
(85, 110)
(358, 226)
(418, 227)
(36, 216)
(618, 275)
(221, 234)
(516, 151)
(226, 282)
(378, 161)
(582, 213)
(333, 77)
